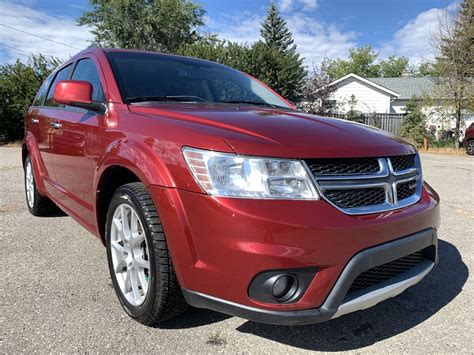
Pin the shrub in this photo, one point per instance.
(414, 124)
(19, 83)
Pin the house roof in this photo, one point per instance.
(369, 82)
(403, 88)
(407, 87)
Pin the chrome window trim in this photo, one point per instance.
(386, 178)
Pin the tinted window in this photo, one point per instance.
(63, 74)
(41, 95)
(147, 75)
(87, 71)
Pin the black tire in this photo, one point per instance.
(164, 299)
(41, 205)
(470, 147)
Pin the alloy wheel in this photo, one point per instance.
(130, 254)
(30, 184)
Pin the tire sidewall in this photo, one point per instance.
(470, 147)
(30, 208)
(143, 310)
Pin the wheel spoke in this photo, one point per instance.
(125, 224)
(143, 281)
(120, 265)
(142, 263)
(134, 284)
(119, 249)
(118, 225)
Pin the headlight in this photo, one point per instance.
(232, 175)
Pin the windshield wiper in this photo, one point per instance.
(180, 98)
(252, 102)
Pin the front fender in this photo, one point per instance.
(137, 157)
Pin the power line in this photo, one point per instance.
(31, 34)
(14, 49)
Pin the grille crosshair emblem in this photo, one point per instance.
(386, 178)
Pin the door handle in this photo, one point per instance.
(55, 125)
(35, 120)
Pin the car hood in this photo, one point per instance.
(280, 132)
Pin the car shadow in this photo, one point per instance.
(55, 212)
(387, 319)
(192, 318)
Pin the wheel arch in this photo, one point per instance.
(125, 161)
(30, 147)
(111, 179)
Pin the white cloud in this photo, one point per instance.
(414, 40)
(315, 39)
(286, 5)
(289, 5)
(242, 27)
(309, 4)
(62, 29)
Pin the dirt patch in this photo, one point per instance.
(452, 151)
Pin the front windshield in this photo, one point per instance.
(156, 77)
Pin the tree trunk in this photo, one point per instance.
(458, 127)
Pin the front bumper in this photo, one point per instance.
(219, 245)
(337, 302)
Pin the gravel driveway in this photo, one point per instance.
(57, 296)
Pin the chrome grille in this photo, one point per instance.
(355, 186)
(386, 271)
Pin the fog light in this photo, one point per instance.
(281, 286)
(284, 287)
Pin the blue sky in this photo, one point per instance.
(322, 28)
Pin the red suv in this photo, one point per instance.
(209, 189)
(469, 139)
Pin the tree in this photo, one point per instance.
(317, 91)
(280, 67)
(156, 25)
(360, 62)
(352, 114)
(414, 123)
(393, 67)
(282, 71)
(225, 52)
(275, 32)
(427, 68)
(455, 62)
(19, 83)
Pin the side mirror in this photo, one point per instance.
(76, 93)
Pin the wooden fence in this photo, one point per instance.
(390, 122)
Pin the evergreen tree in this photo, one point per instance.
(414, 123)
(275, 32)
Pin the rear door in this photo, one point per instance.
(73, 170)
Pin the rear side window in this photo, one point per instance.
(87, 71)
(63, 74)
(43, 90)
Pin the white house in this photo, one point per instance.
(379, 95)
(390, 96)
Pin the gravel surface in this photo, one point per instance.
(57, 295)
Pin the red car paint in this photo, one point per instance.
(218, 244)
